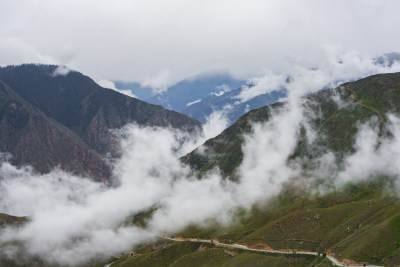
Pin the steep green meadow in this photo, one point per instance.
(359, 222)
(355, 223)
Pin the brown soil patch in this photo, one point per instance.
(262, 246)
(230, 252)
(202, 247)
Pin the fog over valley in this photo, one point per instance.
(209, 133)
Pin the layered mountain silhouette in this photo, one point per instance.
(230, 105)
(357, 223)
(200, 96)
(185, 92)
(48, 119)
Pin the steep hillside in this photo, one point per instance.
(81, 105)
(357, 223)
(33, 138)
(166, 253)
(372, 96)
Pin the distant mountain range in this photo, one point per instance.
(181, 95)
(200, 96)
(49, 119)
(230, 105)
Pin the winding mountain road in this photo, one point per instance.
(244, 247)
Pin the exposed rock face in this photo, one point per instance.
(49, 120)
(33, 138)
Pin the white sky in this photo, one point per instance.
(167, 40)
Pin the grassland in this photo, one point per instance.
(354, 223)
(196, 254)
(359, 223)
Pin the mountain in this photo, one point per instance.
(50, 119)
(198, 97)
(357, 223)
(182, 94)
(33, 138)
(209, 97)
(230, 104)
(374, 96)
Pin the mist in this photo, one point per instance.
(73, 220)
(332, 66)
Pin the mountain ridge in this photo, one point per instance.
(191, 89)
(87, 110)
(338, 132)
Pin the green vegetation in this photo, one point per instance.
(196, 254)
(360, 222)
(356, 223)
(6, 219)
(336, 126)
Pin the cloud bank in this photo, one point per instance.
(74, 220)
(143, 40)
(332, 68)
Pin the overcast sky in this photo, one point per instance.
(167, 40)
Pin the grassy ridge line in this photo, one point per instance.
(244, 247)
(360, 102)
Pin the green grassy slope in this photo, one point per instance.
(195, 254)
(360, 222)
(372, 96)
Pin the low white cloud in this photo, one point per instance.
(216, 122)
(193, 102)
(261, 85)
(375, 155)
(111, 85)
(331, 66)
(61, 70)
(74, 220)
(159, 82)
(223, 89)
(264, 168)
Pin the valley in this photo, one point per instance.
(164, 133)
(309, 219)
